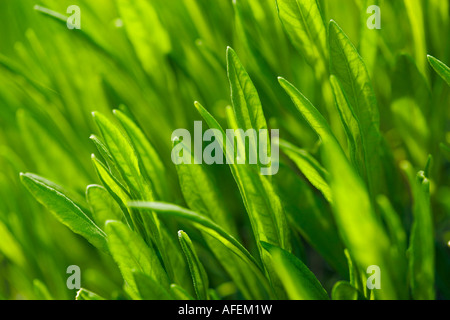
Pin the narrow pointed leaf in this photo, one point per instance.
(205, 225)
(267, 217)
(149, 288)
(149, 157)
(349, 68)
(299, 281)
(309, 166)
(65, 210)
(198, 272)
(359, 226)
(132, 254)
(421, 250)
(343, 290)
(314, 118)
(87, 295)
(303, 22)
(114, 187)
(103, 206)
(441, 68)
(179, 293)
(351, 125)
(124, 155)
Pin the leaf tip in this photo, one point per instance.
(181, 234)
(111, 223)
(198, 106)
(333, 26)
(231, 54)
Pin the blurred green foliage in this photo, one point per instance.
(152, 59)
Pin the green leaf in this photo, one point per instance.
(84, 294)
(103, 206)
(149, 288)
(351, 125)
(308, 111)
(132, 254)
(353, 272)
(343, 290)
(147, 153)
(412, 127)
(360, 228)
(309, 214)
(198, 272)
(303, 22)
(145, 31)
(349, 68)
(309, 166)
(106, 155)
(247, 112)
(408, 81)
(179, 293)
(398, 240)
(202, 194)
(246, 103)
(299, 281)
(267, 217)
(393, 223)
(421, 252)
(115, 189)
(62, 19)
(207, 226)
(125, 157)
(65, 210)
(415, 11)
(41, 290)
(10, 247)
(201, 222)
(411, 103)
(369, 39)
(128, 163)
(442, 69)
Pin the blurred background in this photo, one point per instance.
(157, 61)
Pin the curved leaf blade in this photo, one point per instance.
(207, 226)
(299, 281)
(421, 251)
(348, 66)
(198, 272)
(132, 254)
(149, 288)
(310, 167)
(303, 22)
(86, 295)
(147, 153)
(65, 210)
(441, 68)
